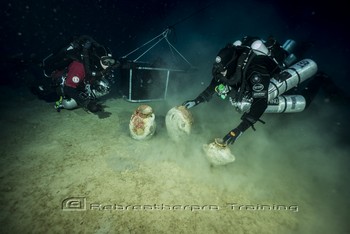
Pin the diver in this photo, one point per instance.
(253, 73)
(79, 74)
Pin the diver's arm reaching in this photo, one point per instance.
(259, 85)
(206, 95)
(248, 121)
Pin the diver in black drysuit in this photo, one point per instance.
(238, 71)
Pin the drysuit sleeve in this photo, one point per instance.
(258, 85)
(208, 93)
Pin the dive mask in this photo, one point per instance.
(107, 61)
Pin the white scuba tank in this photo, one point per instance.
(291, 77)
(69, 103)
(286, 80)
(286, 104)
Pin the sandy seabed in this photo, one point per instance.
(71, 172)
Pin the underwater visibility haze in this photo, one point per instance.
(72, 171)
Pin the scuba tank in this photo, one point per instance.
(289, 46)
(69, 103)
(284, 81)
(286, 104)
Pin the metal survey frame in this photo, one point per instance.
(150, 45)
(168, 70)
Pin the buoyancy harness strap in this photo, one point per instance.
(240, 75)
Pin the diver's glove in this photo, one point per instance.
(94, 107)
(191, 103)
(232, 136)
(97, 109)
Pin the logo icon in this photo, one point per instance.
(258, 87)
(75, 79)
(74, 204)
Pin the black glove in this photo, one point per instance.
(98, 109)
(94, 107)
(232, 136)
